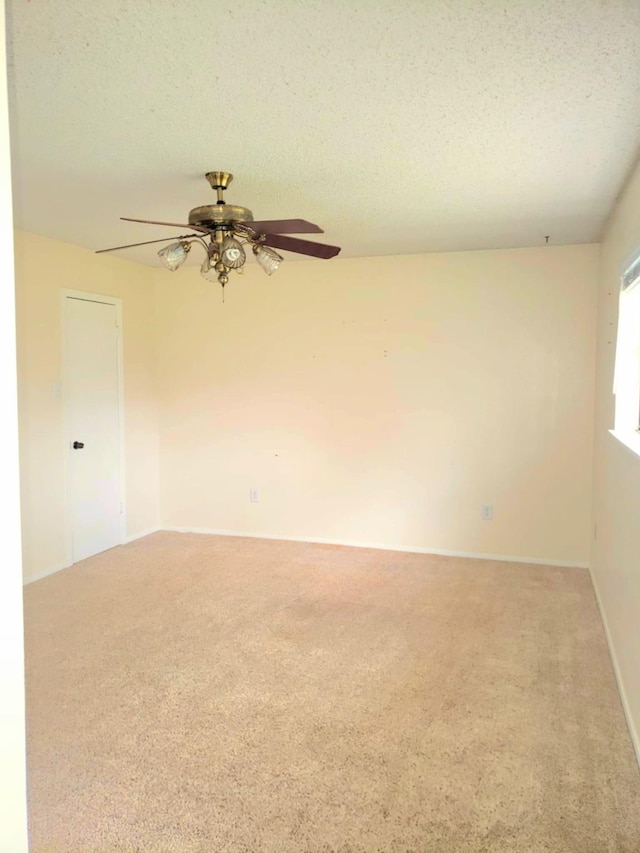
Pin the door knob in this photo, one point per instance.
(77, 445)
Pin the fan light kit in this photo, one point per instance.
(226, 230)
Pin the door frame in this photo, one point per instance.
(65, 294)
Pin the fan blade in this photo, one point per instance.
(146, 243)
(170, 224)
(284, 226)
(303, 247)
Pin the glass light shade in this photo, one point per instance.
(268, 259)
(174, 255)
(208, 270)
(232, 253)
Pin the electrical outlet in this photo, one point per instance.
(486, 512)
(254, 496)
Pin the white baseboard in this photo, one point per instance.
(46, 573)
(537, 561)
(141, 535)
(58, 568)
(635, 736)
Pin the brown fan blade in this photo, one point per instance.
(146, 243)
(303, 247)
(170, 224)
(284, 226)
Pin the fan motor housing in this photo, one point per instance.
(210, 215)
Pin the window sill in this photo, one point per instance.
(631, 440)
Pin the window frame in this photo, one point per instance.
(627, 364)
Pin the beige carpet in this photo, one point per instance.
(193, 693)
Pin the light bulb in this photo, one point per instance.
(174, 255)
(232, 254)
(268, 259)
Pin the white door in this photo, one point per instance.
(92, 403)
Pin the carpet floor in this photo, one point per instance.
(195, 694)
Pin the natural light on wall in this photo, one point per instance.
(626, 383)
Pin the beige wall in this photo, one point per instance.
(382, 401)
(43, 268)
(373, 401)
(616, 550)
(13, 800)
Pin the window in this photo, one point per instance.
(626, 385)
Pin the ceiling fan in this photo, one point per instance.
(228, 229)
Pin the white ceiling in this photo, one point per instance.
(402, 126)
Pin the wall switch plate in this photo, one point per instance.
(486, 512)
(254, 496)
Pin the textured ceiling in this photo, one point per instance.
(400, 127)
